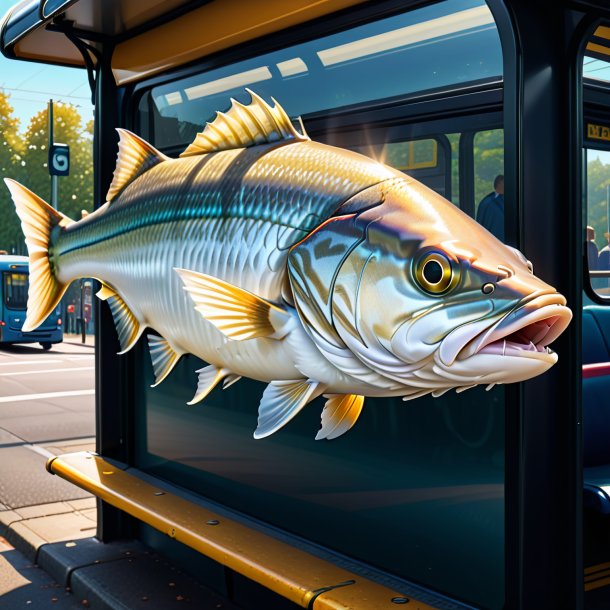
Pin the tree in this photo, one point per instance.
(11, 149)
(75, 192)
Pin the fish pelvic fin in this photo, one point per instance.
(281, 401)
(135, 157)
(340, 413)
(209, 377)
(38, 219)
(164, 357)
(235, 312)
(128, 327)
(245, 125)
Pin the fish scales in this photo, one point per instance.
(306, 266)
(231, 214)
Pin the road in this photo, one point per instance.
(46, 408)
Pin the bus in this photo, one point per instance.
(489, 500)
(14, 271)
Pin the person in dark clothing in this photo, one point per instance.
(592, 252)
(491, 209)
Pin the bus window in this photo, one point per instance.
(488, 162)
(597, 235)
(488, 166)
(426, 160)
(15, 290)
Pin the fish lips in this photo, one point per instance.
(525, 332)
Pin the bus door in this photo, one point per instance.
(14, 298)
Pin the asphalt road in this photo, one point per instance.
(46, 408)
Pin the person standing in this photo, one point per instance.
(592, 252)
(490, 213)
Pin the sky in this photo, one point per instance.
(31, 85)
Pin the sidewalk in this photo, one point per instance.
(77, 339)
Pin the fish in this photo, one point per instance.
(315, 269)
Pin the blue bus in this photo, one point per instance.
(14, 272)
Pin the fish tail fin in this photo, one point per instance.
(38, 219)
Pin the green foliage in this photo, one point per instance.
(488, 161)
(24, 157)
(598, 181)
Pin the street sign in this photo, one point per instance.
(59, 159)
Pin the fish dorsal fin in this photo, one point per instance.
(281, 401)
(340, 413)
(163, 356)
(135, 157)
(235, 312)
(245, 125)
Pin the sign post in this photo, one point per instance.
(59, 158)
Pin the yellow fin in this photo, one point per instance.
(281, 401)
(127, 325)
(208, 378)
(340, 413)
(245, 125)
(105, 292)
(135, 157)
(235, 312)
(164, 357)
(38, 219)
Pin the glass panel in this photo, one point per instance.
(488, 155)
(449, 42)
(16, 290)
(598, 219)
(415, 489)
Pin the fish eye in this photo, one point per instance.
(435, 273)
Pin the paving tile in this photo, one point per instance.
(24, 539)
(83, 503)
(24, 480)
(7, 518)
(71, 446)
(43, 510)
(56, 528)
(89, 513)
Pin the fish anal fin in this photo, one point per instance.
(229, 380)
(105, 292)
(245, 125)
(208, 378)
(235, 312)
(163, 356)
(340, 413)
(128, 327)
(281, 401)
(135, 157)
(38, 219)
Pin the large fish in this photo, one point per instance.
(312, 268)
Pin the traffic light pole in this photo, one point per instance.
(51, 140)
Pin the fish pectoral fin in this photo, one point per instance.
(245, 125)
(235, 312)
(128, 327)
(135, 157)
(209, 378)
(340, 413)
(281, 401)
(164, 357)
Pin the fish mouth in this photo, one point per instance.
(525, 331)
